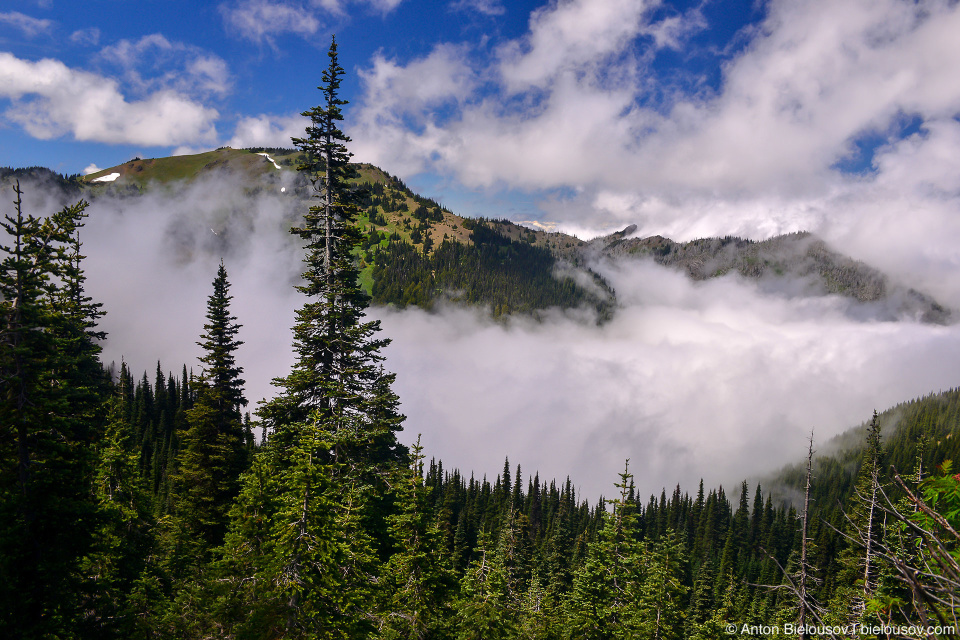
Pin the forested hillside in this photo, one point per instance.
(154, 506)
(417, 252)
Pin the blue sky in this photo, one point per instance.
(199, 75)
(688, 118)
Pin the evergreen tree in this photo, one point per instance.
(606, 590)
(660, 614)
(214, 448)
(49, 377)
(336, 351)
(485, 610)
(415, 579)
(333, 445)
(118, 563)
(858, 572)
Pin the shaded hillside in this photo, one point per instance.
(518, 276)
(416, 251)
(491, 270)
(64, 187)
(919, 434)
(798, 263)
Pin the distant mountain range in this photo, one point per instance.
(419, 253)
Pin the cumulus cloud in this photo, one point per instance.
(812, 78)
(50, 99)
(268, 131)
(395, 122)
(30, 26)
(570, 36)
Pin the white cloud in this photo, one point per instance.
(394, 123)
(268, 131)
(90, 168)
(89, 36)
(263, 20)
(814, 76)
(30, 26)
(561, 109)
(154, 62)
(486, 7)
(570, 35)
(260, 20)
(383, 6)
(721, 379)
(672, 31)
(410, 91)
(689, 380)
(50, 99)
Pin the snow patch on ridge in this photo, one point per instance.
(110, 177)
(267, 156)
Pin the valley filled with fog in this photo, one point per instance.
(723, 378)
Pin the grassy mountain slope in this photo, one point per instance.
(450, 257)
(416, 252)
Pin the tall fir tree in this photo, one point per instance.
(214, 446)
(49, 376)
(332, 451)
(337, 351)
(603, 603)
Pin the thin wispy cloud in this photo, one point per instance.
(28, 25)
(87, 37)
(265, 21)
(154, 62)
(485, 7)
(262, 20)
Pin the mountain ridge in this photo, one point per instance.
(798, 264)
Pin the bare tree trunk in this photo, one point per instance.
(802, 580)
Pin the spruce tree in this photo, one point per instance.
(214, 449)
(416, 579)
(603, 603)
(118, 563)
(49, 379)
(337, 351)
(332, 453)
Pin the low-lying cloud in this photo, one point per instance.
(722, 379)
(713, 379)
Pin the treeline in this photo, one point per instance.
(509, 276)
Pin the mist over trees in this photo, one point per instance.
(139, 508)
